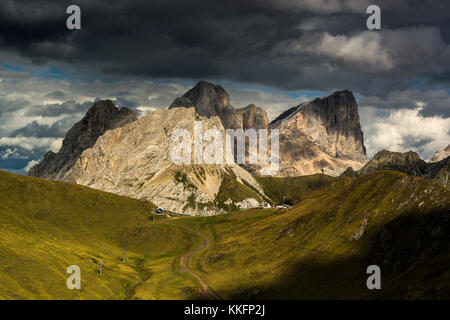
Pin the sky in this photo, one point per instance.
(275, 54)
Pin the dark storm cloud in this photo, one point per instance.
(10, 105)
(58, 109)
(34, 129)
(431, 102)
(240, 40)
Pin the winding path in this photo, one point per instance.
(184, 262)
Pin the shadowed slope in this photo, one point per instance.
(321, 248)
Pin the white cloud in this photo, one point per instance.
(30, 165)
(31, 143)
(363, 50)
(11, 154)
(403, 130)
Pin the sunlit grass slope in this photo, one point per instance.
(46, 226)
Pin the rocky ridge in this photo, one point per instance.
(411, 164)
(101, 117)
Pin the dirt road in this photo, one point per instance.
(184, 262)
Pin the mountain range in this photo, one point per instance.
(111, 150)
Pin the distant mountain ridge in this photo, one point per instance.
(411, 164)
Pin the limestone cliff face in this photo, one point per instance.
(135, 161)
(410, 163)
(332, 123)
(102, 116)
(211, 100)
(441, 154)
(321, 134)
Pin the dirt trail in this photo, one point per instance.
(184, 262)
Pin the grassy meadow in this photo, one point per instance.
(320, 248)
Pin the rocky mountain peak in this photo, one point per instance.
(209, 100)
(212, 100)
(254, 117)
(332, 123)
(102, 116)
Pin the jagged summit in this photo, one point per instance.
(102, 116)
(209, 100)
(324, 133)
(331, 122)
(212, 100)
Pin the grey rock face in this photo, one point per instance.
(102, 116)
(211, 100)
(332, 123)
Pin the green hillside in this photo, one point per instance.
(47, 226)
(310, 251)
